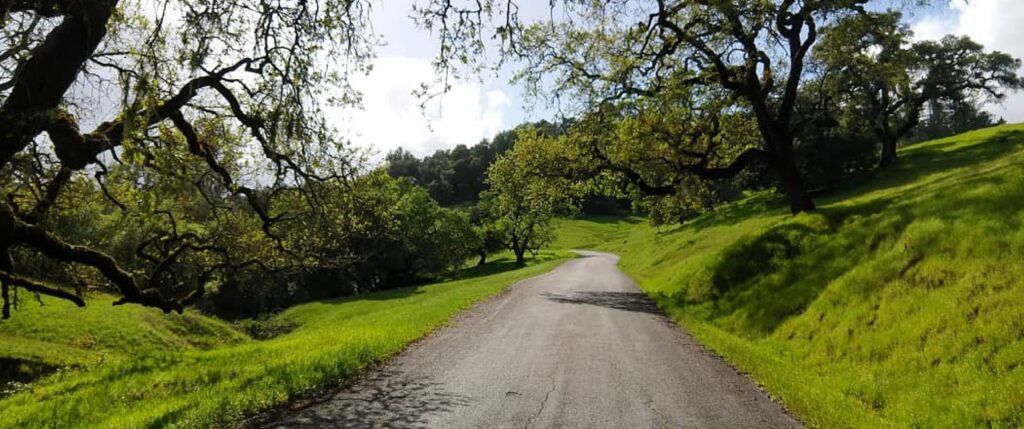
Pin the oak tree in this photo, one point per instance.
(84, 84)
(753, 52)
(883, 80)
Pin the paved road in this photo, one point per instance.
(577, 347)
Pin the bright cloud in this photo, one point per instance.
(932, 27)
(994, 23)
(391, 115)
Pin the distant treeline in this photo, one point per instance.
(456, 176)
(948, 117)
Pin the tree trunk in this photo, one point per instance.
(6, 264)
(796, 193)
(483, 257)
(796, 190)
(784, 163)
(6, 312)
(520, 256)
(888, 156)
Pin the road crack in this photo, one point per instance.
(543, 402)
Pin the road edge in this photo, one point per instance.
(275, 413)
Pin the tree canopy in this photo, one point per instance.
(880, 79)
(225, 97)
(156, 150)
(526, 192)
(737, 59)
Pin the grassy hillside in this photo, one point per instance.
(134, 367)
(59, 334)
(900, 303)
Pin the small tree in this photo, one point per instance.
(483, 220)
(525, 195)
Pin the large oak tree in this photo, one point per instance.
(84, 83)
(752, 53)
(880, 78)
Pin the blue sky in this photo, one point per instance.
(478, 108)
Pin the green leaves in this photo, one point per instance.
(530, 185)
(878, 80)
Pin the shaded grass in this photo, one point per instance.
(899, 303)
(502, 262)
(159, 382)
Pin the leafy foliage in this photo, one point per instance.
(880, 82)
(221, 97)
(738, 56)
(526, 193)
(371, 233)
(457, 175)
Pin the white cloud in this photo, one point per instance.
(993, 23)
(391, 115)
(496, 98)
(932, 27)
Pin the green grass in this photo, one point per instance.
(900, 303)
(135, 368)
(593, 231)
(60, 334)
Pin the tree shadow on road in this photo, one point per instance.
(626, 301)
(385, 399)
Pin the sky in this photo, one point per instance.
(997, 24)
(479, 107)
(391, 116)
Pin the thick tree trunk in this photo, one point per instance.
(6, 312)
(789, 174)
(6, 264)
(483, 257)
(796, 193)
(888, 156)
(520, 256)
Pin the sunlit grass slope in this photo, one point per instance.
(57, 333)
(900, 303)
(160, 370)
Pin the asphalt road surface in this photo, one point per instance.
(580, 346)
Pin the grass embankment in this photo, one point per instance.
(900, 303)
(133, 367)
